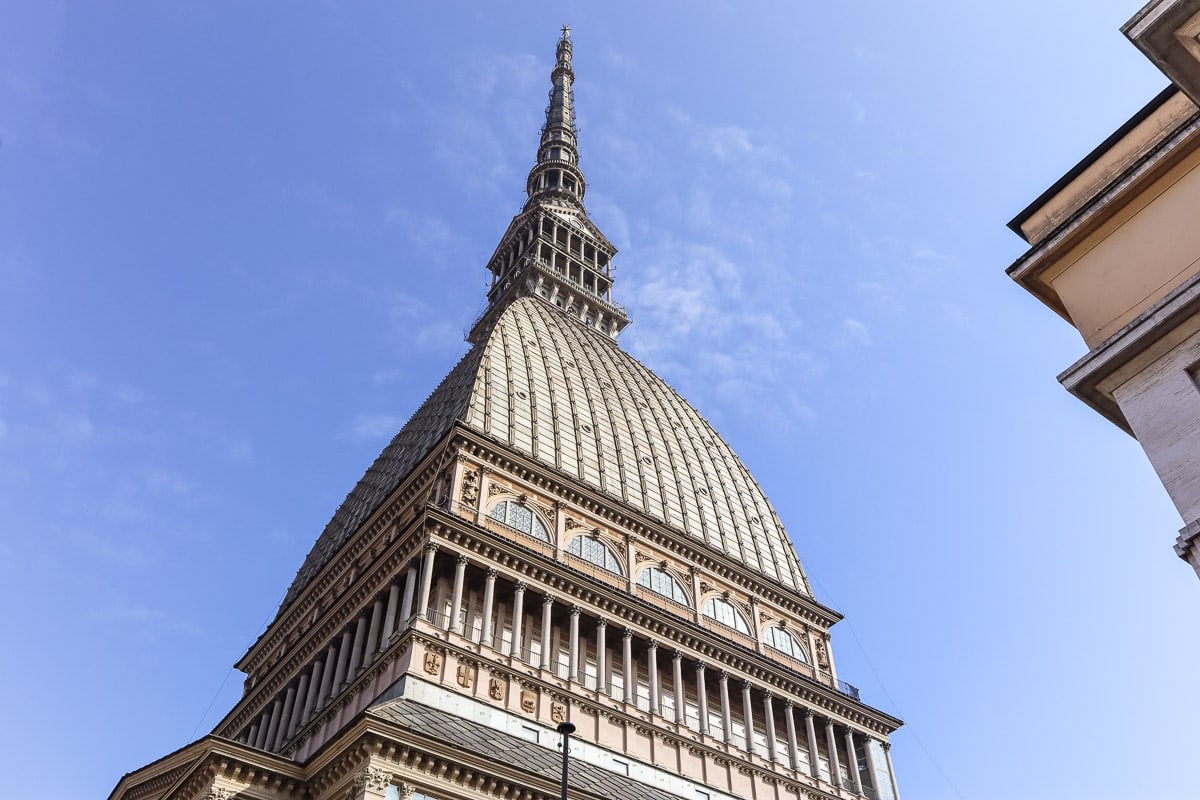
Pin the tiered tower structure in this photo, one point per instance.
(554, 536)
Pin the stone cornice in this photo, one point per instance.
(184, 774)
(570, 490)
(653, 622)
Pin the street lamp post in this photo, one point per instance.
(566, 729)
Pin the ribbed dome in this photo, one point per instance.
(569, 397)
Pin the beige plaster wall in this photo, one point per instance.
(1101, 172)
(1147, 249)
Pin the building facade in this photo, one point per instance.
(554, 536)
(1115, 250)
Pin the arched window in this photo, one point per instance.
(519, 517)
(661, 582)
(724, 612)
(589, 548)
(779, 639)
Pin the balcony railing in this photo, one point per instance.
(848, 689)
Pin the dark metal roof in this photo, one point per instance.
(504, 748)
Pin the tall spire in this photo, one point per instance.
(556, 173)
(551, 249)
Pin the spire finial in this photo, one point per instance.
(566, 31)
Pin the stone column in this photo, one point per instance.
(460, 570)
(252, 736)
(652, 669)
(677, 677)
(630, 564)
(769, 722)
(812, 651)
(547, 606)
(489, 598)
(372, 784)
(431, 549)
(327, 676)
(485, 488)
(852, 762)
(285, 717)
(410, 593)
(702, 697)
(872, 767)
(835, 767)
(373, 631)
(518, 620)
(829, 654)
(389, 617)
(755, 625)
(273, 725)
(314, 691)
(789, 721)
(814, 757)
(601, 655)
(298, 707)
(573, 660)
(887, 753)
(356, 647)
(726, 712)
(339, 675)
(627, 666)
(748, 712)
(264, 721)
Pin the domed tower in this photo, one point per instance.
(554, 536)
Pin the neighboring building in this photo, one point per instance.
(1115, 250)
(555, 535)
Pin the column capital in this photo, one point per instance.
(575, 611)
(492, 573)
(627, 633)
(462, 560)
(768, 694)
(602, 623)
(677, 655)
(652, 644)
(430, 547)
(723, 676)
(807, 712)
(547, 600)
(746, 686)
(789, 703)
(885, 744)
(700, 665)
(520, 586)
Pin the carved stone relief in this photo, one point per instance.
(470, 487)
(528, 701)
(433, 663)
(496, 688)
(373, 779)
(558, 712)
(822, 654)
(465, 676)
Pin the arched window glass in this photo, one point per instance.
(784, 642)
(661, 581)
(520, 517)
(724, 612)
(592, 549)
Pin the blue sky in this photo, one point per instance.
(239, 244)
